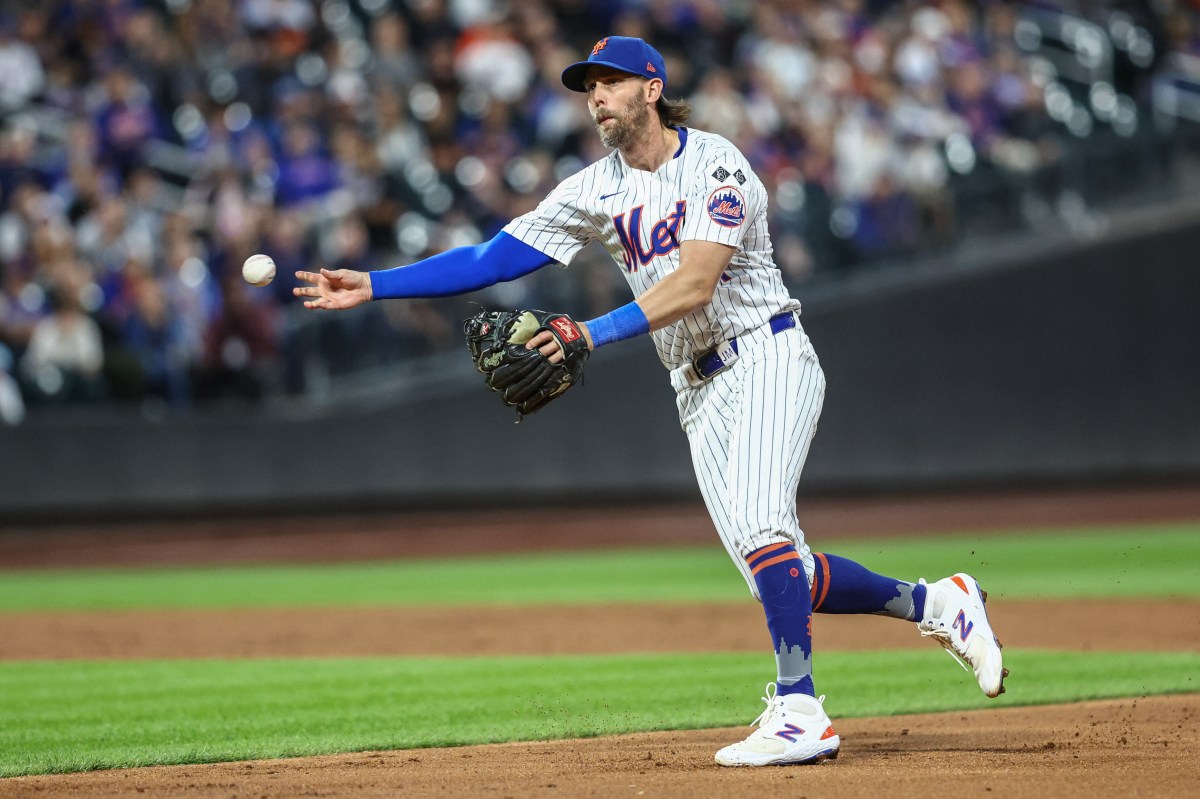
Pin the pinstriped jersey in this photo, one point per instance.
(707, 192)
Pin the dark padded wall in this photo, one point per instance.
(1081, 364)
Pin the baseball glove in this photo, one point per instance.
(525, 379)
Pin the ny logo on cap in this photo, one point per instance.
(600, 45)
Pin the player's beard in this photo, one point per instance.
(629, 120)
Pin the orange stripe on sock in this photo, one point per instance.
(793, 555)
(825, 575)
(758, 553)
(959, 582)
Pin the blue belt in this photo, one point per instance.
(709, 363)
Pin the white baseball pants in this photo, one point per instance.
(750, 427)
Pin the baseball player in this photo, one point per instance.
(684, 217)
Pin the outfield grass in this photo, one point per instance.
(80, 715)
(1146, 561)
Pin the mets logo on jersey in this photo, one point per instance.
(727, 207)
(664, 236)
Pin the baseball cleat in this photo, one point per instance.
(793, 730)
(956, 617)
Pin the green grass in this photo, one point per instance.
(80, 715)
(1148, 561)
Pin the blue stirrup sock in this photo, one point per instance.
(783, 588)
(843, 586)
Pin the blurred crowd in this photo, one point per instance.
(150, 146)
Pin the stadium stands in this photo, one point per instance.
(149, 146)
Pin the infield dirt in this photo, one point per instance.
(1078, 625)
(1148, 747)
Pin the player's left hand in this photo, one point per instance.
(527, 375)
(545, 343)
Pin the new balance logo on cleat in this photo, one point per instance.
(963, 626)
(790, 731)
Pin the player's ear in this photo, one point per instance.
(654, 88)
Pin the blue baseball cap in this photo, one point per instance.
(625, 53)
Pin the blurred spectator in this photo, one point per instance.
(127, 120)
(192, 295)
(65, 355)
(12, 405)
(306, 173)
(719, 107)
(287, 24)
(21, 74)
(158, 339)
(491, 59)
(885, 219)
(240, 348)
(393, 63)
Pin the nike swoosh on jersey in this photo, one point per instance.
(614, 194)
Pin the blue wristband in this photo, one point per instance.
(626, 322)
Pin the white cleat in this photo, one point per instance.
(956, 617)
(792, 730)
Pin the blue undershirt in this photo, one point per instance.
(682, 141)
(460, 270)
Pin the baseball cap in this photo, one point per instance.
(625, 53)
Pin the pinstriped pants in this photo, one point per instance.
(749, 428)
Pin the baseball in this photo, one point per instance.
(259, 270)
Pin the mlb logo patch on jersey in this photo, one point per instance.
(726, 207)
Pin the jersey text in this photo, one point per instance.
(664, 236)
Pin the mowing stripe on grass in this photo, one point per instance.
(1148, 561)
(74, 716)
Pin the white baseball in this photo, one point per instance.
(259, 270)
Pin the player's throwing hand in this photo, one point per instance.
(334, 290)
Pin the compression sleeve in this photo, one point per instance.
(460, 270)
